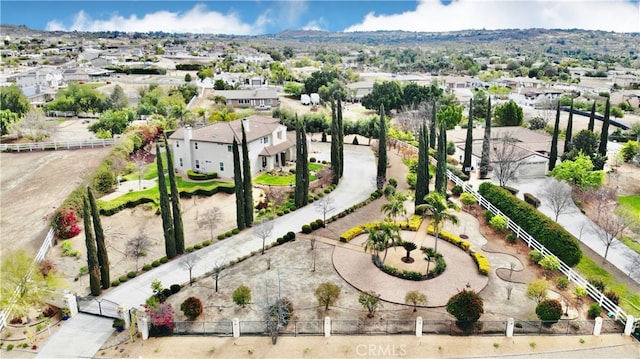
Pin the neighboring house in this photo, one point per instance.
(249, 98)
(360, 89)
(532, 148)
(209, 148)
(46, 77)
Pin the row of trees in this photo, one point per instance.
(337, 141)
(170, 211)
(243, 186)
(97, 257)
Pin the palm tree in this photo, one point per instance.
(395, 206)
(388, 235)
(372, 244)
(437, 207)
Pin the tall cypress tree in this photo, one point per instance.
(178, 227)
(381, 174)
(468, 141)
(335, 145)
(553, 153)
(441, 166)
(422, 178)
(432, 126)
(246, 179)
(604, 134)
(592, 117)
(239, 186)
(103, 257)
(301, 195)
(485, 161)
(340, 138)
(567, 139)
(165, 209)
(92, 257)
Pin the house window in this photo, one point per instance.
(265, 139)
(181, 165)
(229, 148)
(177, 143)
(221, 166)
(264, 162)
(244, 101)
(196, 145)
(279, 135)
(197, 164)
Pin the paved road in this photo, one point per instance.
(79, 337)
(356, 185)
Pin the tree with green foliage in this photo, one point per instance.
(466, 306)
(320, 78)
(422, 169)
(579, 172)
(114, 121)
(118, 100)
(327, 294)
(549, 311)
(92, 257)
(242, 296)
(437, 207)
(12, 99)
(468, 143)
(178, 227)
(78, 98)
(340, 138)
(592, 117)
(630, 150)
(381, 173)
(335, 145)
(395, 207)
(246, 181)
(301, 195)
(293, 89)
(239, 186)
(386, 94)
(604, 133)
(432, 125)
(370, 301)
(553, 154)
(103, 256)
(415, 298)
(567, 137)
(486, 143)
(441, 164)
(509, 114)
(7, 120)
(165, 209)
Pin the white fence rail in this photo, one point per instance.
(42, 253)
(571, 274)
(56, 145)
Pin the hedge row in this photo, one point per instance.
(351, 233)
(481, 261)
(201, 176)
(550, 234)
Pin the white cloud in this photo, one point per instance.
(196, 20)
(317, 25)
(432, 15)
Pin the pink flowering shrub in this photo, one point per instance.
(65, 223)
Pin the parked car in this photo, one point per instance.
(263, 107)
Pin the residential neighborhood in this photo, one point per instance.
(192, 194)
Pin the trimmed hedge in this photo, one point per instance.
(550, 234)
(481, 261)
(201, 176)
(532, 200)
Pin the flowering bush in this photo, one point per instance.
(191, 307)
(65, 223)
(161, 317)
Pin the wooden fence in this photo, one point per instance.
(56, 145)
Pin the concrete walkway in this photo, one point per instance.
(79, 337)
(356, 185)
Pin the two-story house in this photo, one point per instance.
(210, 148)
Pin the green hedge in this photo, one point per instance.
(201, 176)
(550, 234)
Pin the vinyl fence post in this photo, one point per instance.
(123, 313)
(597, 327)
(236, 327)
(628, 328)
(327, 327)
(418, 326)
(510, 326)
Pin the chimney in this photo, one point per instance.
(246, 124)
(187, 134)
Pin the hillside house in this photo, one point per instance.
(209, 148)
(249, 98)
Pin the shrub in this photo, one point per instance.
(155, 263)
(228, 234)
(175, 288)
(468, 199)
(550, 263)
(466, 306)
(189, 249)
(393, 182)
(355, 140)
(532, 200)
(65, 223)
(487, 215)
(499, 223)
(131, 274)
(456, 190)
(242, 296)
(235, 231)
(550, 234)
(164, 260)
(389, 190)
(201, 176)
(221, 236)
(312, 160)
(598, 283)
(482, 262)
(537, 290)
(594, 310)
(9, 347)
(314, 225)
(535, 256)
(123, 278)
(562, 283)
(206, 243)
(146, 267)
(612, 296)
(580, 292)
(306, 229)
(549, 311)
(511, 238)
(197, 246)
(191, 307)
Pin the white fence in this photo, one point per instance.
(42, 253)
(57, 145)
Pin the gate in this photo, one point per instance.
(97, 306)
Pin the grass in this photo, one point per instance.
(631, 243)
(150, 172)
(268, 179)
(632, 202)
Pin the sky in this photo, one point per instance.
(256, 17)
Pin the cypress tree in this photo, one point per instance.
(432, 126)
(246, 179)
(239, 186)
(165, 209)
(592, 117)
(103, 257)
(335, 158)
(441, 166)
(468, 141)
(340, 138)
(92, 257)
(486, 143)
(553, 154)
(301, 195)
(567, 139)
(178, 227)
(422, 178)
(381, 174)
(604, 134)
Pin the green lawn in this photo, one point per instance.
(150, 172)
(268, 179)
(632, 202)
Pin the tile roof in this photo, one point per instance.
(225, 132)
